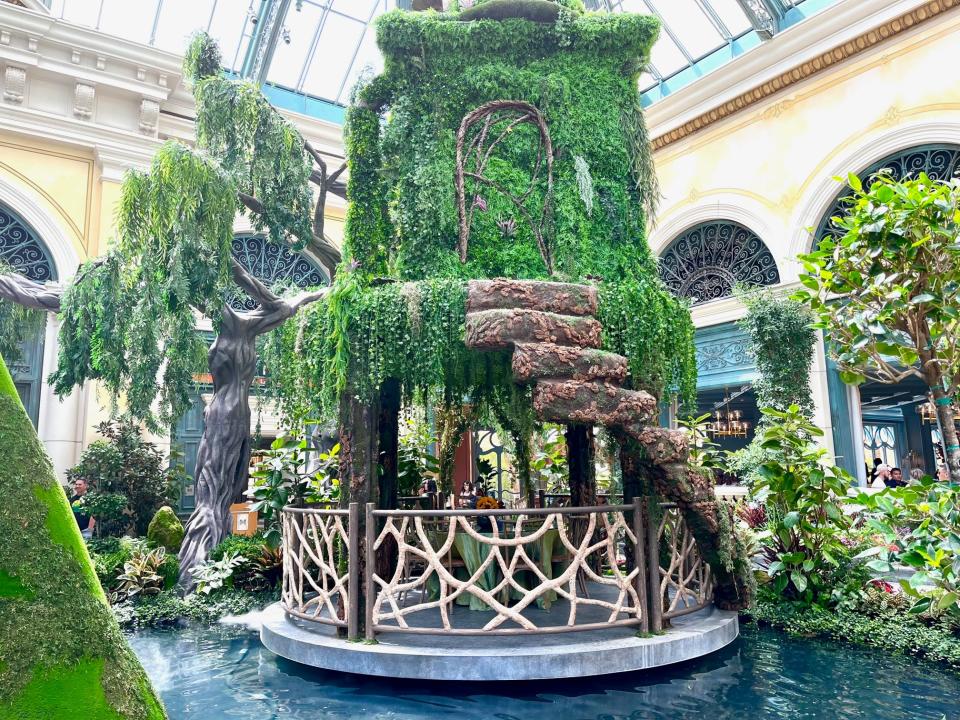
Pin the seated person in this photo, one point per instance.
(85, 522)
(896, 478)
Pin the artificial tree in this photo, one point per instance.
(61, 651)
(128, 319)
(886, 292)
(504, 141)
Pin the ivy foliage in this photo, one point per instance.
(580, 72)
(256, 146)
(128, 319)
(781, 336)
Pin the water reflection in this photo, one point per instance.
(226, 673)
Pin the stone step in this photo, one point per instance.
(534, 361)
(668, 448)
(593, 403)
(561, 298)
(498, 329)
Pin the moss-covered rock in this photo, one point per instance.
(166, 529)
(61, 652)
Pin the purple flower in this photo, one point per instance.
(479, 202)
(354, 264)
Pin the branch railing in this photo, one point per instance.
(533, 571)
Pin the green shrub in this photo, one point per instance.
(165, 529)
(801, 490)
(895, 632)
(125, 465)
(247, 546)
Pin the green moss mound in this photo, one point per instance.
(165, 529)
(61, 651)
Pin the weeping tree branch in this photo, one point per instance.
(30, 294)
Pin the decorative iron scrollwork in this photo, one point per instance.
(21, 250)
(273, 265)
(706, 261)
(940, 162)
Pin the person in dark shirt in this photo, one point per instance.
(896, 478)
(85, 522)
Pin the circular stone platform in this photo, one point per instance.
(510, 657)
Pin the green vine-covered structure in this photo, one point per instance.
(61, 651)
(495, 258)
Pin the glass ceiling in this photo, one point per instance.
(324, 45)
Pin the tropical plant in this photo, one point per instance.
(287, 475)
(802, 491)
(705, 454)
(414, 459)
(887, 292)
(215, 574)
(920, 528)
(123, 466)
(548, 462)
(142, 575)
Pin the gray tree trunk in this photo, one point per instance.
(223, 457)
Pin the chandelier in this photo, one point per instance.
(728, 423)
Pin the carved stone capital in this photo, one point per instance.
(83, 97)
(149, 116)
(14, 83)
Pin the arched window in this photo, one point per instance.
(22, 250)
(940, 162)
(707, 260)
(274, 264)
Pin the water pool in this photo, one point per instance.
(224, 672)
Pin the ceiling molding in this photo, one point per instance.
(866, 23)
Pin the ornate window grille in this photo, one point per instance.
(707, 260)
(21, 250)
(273, 265)
(940, 162)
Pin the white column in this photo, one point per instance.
(856, 426)
(61, 421)
(820, 392)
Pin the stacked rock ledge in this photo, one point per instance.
(503, 328)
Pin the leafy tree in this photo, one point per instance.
(887, 292)
(920, 527)
(801, 488)
(128, 318)
(124, 466)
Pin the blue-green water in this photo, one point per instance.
(226, 673)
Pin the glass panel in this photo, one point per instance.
(368, 56)
(81, 12)
(288, 59)
(667, 56)
(332, 61)
(647, 81)
(359, 9)
(179, 19)
(732, 15)
(132, 21)
(688, 22)
(229, 25)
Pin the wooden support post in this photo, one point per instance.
(581, 452)
(639, 561)
(654, 599)
(388, 431)
(353, 572)
(369, 591)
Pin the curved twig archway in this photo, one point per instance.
(495, 121)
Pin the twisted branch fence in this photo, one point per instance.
(607, 566)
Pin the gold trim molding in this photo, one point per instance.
(827, 59)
